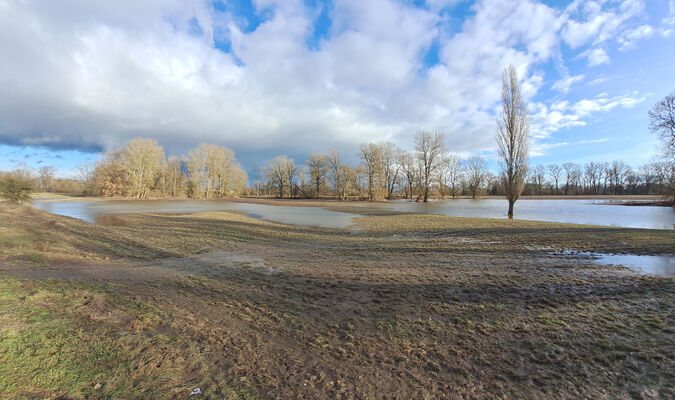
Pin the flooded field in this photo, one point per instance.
(591, 212)
(409, 306)
(575, 211)
(93, 211)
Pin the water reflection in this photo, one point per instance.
(569, 211)
(656, 265)
(592, 212)
(93, 211)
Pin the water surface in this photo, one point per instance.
(593, 212)
(91, 210)
(587, 211)
(655, 265)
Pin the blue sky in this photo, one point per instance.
(267, 77)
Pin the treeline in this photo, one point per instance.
(385, 171)
(141, 169)
(604, 178)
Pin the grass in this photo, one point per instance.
(410, 306)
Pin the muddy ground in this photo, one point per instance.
(406, 306)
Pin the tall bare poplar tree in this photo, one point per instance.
(513, 138)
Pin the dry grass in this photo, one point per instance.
(412, 306)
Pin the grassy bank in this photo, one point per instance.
(410, 306)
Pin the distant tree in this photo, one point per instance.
(555, 172)
(371, 158)
(336, 173)
(46, 178)
(618, 171)
(572, 175)
(442, 175)
(454, 173)
(476, 172)
(291, 173)
(318, 169)
(538, 174)
(173, 177)
(107, 177)
(214, 172)
(409, 169)
(429, 147)
(276, 173)
(390, 156)
(592, 175)
(142, 160)
(513, 138)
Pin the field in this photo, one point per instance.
(405, 306)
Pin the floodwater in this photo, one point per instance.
(594, 212)
(663, 265)
(587, 211)
(92, 210)
(656, 265)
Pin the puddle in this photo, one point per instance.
(653, 265)
(656, 265)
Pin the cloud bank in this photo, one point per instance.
(271, 77)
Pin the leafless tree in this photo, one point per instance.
(46, 178)
(513, 138)
(173, 177)
(572, 174)
(538, 175)
(449, 173)
(429, 147)
(476, 170)
(390, 155)
(555, 172)
(409, 169)
(215, 172)
(291, 177)
(592, 175)
(454, 167)
(371, 157)
(277, 173)
(142, 160)
(318, 168)
(662, 124)
(617, 172)
(336, 172)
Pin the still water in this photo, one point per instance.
(91, 210)
(594, 212)
(656, 265)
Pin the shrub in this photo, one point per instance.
(16, 188)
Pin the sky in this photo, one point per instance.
(268, 77)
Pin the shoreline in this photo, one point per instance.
(639, 200)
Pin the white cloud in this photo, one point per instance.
(562, 114)
(93, 75)
(563, 85)
(595, 57)
(629, 38)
